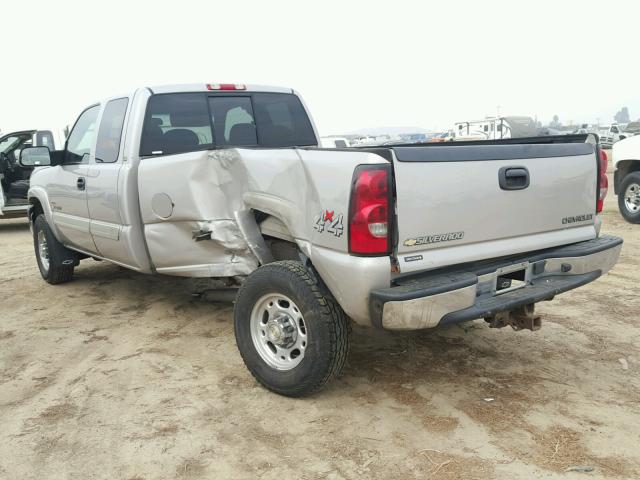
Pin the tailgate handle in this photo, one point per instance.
(513, 178)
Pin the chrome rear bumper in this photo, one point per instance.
(469, 291)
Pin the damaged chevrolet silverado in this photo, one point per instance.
(228, 181)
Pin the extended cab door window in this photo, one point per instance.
(110, 131)
(81, 137)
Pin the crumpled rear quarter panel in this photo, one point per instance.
(208, 189)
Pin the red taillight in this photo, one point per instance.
(369, 212)
(226, 86)
(603, 181)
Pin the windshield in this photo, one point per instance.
(9, 142)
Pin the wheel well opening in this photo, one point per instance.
(282, 249)
(624, 168)
(277, 237)
(36, 208)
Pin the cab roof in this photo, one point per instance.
(207, 87)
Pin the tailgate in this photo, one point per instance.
(460, 203)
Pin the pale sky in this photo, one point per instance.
(358, 64)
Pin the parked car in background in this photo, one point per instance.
(14, 178)
(227, 181)
(334, 142)
(626, 177)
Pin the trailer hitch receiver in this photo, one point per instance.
(521, 318)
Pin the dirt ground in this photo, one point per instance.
(118, 375)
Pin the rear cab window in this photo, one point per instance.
(282, 121)
(233, 121)
(176, 123)
(44, 138)
(186, 122)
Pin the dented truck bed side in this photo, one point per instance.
(204, 225)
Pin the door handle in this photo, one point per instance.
(81, 183)
(513, 178)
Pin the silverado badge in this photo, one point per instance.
(427, 239)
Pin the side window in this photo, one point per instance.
(282, 121)
(110, 131)
(233, 121)
(44, 138)
(176, 123)
(81, 137)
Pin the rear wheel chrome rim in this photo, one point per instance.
(43, 250)
(278, 331)
(632, 198)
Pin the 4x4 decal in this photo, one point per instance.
(330, 221)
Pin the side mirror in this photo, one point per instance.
(35, 157)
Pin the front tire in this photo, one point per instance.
(55, 261)
(629, 197)
(292, 335)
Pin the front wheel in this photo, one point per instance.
(293, 336)
(629, 197)
(55, 261)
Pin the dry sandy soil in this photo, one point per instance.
(118, 375)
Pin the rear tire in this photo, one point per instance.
(55, 261)
(629, 197)
(292, 335)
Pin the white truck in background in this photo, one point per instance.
(228, 181)
(626, 177)
(613, 134)
(14, 178)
